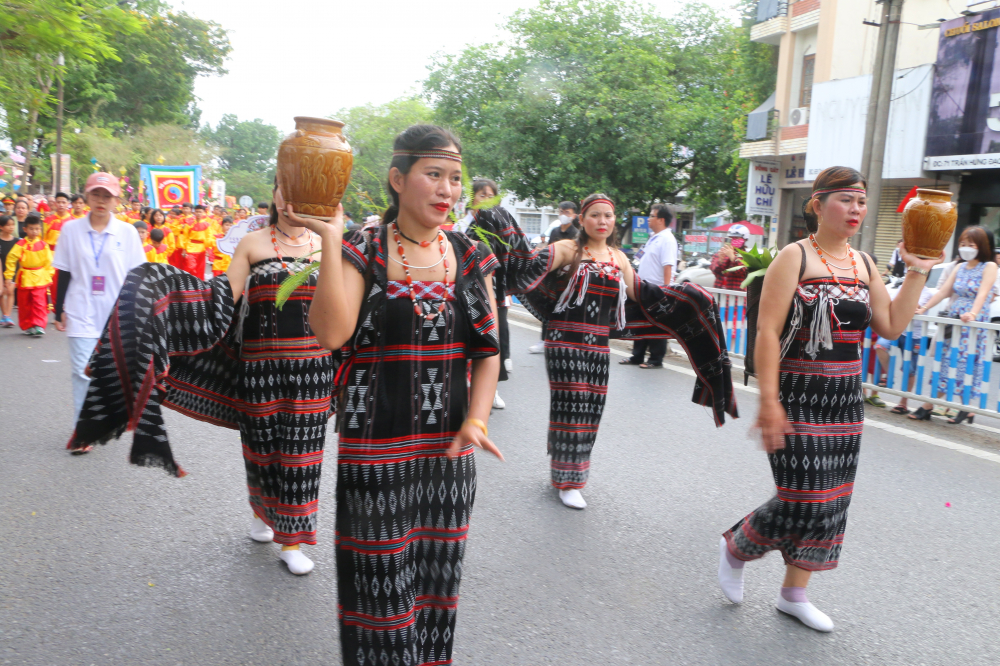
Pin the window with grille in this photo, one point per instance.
(806, 91)
(531, 223)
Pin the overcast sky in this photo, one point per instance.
(313, 57)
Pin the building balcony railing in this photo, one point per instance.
(770, 31)
(752, 149)
(776, 17)
(805, 14)
(793, 140)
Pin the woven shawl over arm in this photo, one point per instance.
(169, 340)
(684, 312)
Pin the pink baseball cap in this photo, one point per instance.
(103, 180)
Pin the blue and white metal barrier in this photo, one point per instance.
(917, 353)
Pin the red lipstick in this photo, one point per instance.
(443, 206)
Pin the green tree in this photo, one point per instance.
(36, 38)
(595, 95)
(256, 185)
(247, 155)
(152, 80)
(175, 144)
(371, 130)
(248, 145)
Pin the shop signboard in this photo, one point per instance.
(793, 172)
(762, 187)
(640, 230)
(715, 241)
(695, 243)
(964, 127)
(838, 114)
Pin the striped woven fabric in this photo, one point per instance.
(403, 506)
(814, 473)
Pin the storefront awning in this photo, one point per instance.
(758, 119)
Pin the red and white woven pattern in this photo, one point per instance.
(424, 291)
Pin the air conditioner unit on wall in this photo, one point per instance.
(799, 116)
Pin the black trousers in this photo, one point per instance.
(657, 350)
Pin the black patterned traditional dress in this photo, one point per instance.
(285, 386)
(820, 387)
(174, 340)
(577, 358)
(403, 506)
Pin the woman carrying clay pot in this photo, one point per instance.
(824, 295)
(972, 284)
(413, 304)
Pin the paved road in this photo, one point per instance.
(110, 564)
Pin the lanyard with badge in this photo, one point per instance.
(97, 281)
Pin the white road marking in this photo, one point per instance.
(896, 430)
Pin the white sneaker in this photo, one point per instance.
(572, 498)
(508, 365)
(259, 531)
(498, 402)
(730, 579)
(297, 563)
(808, 614)
(537, 348)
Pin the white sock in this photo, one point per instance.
(808, 614)
(572, 498)
(259, 531)
(297, 563)
(730, 578)
(508, 365)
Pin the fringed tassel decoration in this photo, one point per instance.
(567, 295)
(821, 330)
(794, 324)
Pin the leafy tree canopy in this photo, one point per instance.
(595, 95)
(36, 38)
(152, 80)
(174, 143)
(247, 145)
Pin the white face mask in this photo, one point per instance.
(565, 219)
(968, 253)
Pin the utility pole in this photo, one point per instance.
(877, 125)
(59, 126)
(866, 156)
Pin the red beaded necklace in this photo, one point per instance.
(409, 278)
(850, 253)
(277, 250)
(611, 255)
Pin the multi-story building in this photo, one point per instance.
(816, 117)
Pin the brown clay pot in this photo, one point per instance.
(314, 166)
(928, 223)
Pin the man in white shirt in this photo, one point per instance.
(656, 265)
(93, 256)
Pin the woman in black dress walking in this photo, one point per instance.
(413, 304)
(822, 296)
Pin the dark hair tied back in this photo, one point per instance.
(416, 138)
(831, 178)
